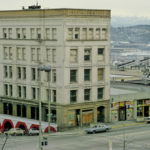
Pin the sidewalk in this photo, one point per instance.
(114, 125)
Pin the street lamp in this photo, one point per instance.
(46, 69)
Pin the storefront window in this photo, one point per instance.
(139, 102)
(139, 112)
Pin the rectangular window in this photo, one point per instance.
(70, 33)
(54, 95)
(104, 34)
(139, 111)
(54, 55)
(32, 31)
(10, 90)
(97, 36)
(19, 53)
(73, 75)
(6, 89)
(5, 71)
(24, 72)
(99, 93)
(19, 110)
(24, 92)
(73, 96)
(86, 74)
(23, 54)
(19, 72)
(100, 74)
(33, 113)
(33, 74)
(6, 53)
(9, 33)
(86, 94)
(48, 54)
(54, 75)
(4, 33)
(38, 33)
(84, 34)
(19, 91)
(10, 72)
(47, 33)
(34, 93)
(73, 56)
(18, 35)
(54, 34)
(24, 111)
(23, 33)
(100, 51)
(35, 54)
(90, 37)
(87, 54)
(10, 53)
(48, 76)
(38, 54)
(77, 33)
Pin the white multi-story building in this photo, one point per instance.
(76, 44)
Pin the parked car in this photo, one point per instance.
(14, 131)
(98, 128)
(33, 131)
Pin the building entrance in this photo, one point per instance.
(122, 113)
(146, 111)
(100, 114)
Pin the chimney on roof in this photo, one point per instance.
(32, 7)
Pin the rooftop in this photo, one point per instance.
(68, 12)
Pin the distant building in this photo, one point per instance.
(130, 101)
(76, 44)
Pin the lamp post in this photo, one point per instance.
(46, 69)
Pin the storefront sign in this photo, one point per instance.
(148, 102)
(130, 104)
(122, 104)
(115, 105)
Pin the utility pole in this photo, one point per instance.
(48, 69)
(40, 68)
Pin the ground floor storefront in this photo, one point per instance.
(83, 114)
(26, 109)
(63, 115)
(143, 108)
(130, 110)
(123, 110)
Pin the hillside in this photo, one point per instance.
(133, 34)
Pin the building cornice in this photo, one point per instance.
(44, 13)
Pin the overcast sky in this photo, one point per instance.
(118, 7)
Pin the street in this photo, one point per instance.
(127, 138)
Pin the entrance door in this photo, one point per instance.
(122, 113)
(146, 111)
(100, 114)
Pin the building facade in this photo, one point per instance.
(75, 43)
(129, 101)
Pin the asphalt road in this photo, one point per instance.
(127, 138)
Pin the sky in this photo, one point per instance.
(138, 8)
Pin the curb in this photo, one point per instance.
(83, 132)
(127, 125)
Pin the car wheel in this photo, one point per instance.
(94, 132)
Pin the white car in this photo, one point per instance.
(98, 128)
(14, 131)
(33, 131)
